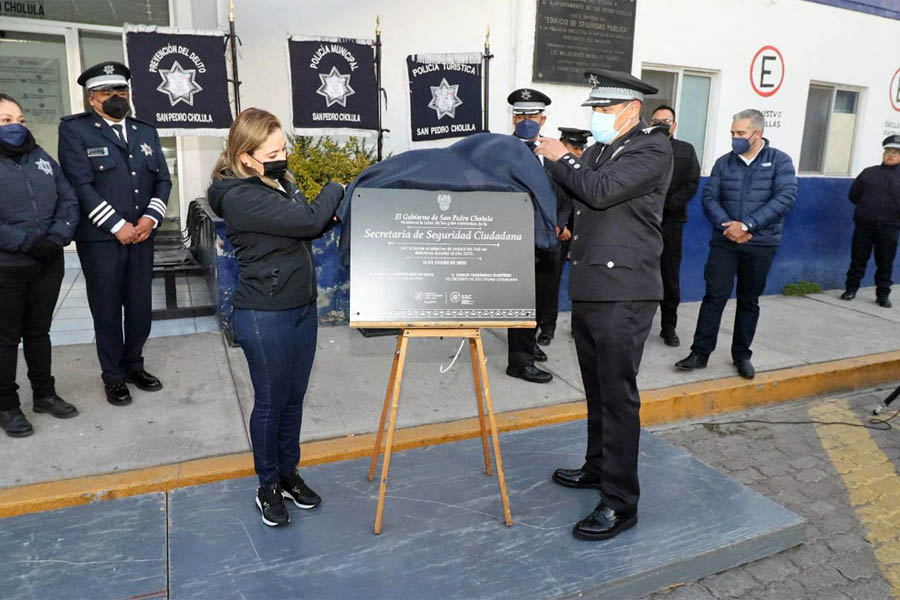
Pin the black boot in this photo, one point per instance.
(56, 406)
(14, 423)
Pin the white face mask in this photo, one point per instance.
(603, 125)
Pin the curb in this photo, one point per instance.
(664, 405)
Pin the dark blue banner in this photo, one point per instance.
(179, 81)
(333, 86)
(444, 95)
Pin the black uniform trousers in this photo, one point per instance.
(551, 309)
(883, 239)
(727, 260)
(119, 276)
(522, 342)
(609, 340)
(27, 298)
(670, 267)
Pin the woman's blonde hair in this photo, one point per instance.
(247, 133)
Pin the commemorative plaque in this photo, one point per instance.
(439, 259)
(573, 35)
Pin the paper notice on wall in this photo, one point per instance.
(36, 84)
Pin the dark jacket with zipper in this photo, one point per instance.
(35, 201)
(271, 231)
(759, 195)
(876, 194)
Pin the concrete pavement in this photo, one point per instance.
(204, 408)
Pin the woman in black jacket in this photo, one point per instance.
(38, 215)
(271, 226)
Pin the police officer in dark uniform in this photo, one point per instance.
(117, 168)
(528, 107)
(574, 140)
(619, 186)
(876, 195)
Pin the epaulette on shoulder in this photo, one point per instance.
(75, 116)
(142, 122)
(655, 129)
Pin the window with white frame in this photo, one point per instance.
(689, 92)
(829, 129)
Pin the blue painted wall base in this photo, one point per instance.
(815, 247)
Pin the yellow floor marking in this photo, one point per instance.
(870, 479)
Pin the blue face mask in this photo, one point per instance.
(603, 126)
(13, 134)
(527, 129)
(740, 145)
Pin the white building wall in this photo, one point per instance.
(819, 43)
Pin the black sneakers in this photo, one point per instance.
(294, 488)
(14, 423)
(271, 505)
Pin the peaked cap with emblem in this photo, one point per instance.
(575, 137)
(105, 76)
(615, 87)
(526, 101)
(891, 141)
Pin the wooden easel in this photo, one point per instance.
(482, 395)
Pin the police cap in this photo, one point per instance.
(573, 136)
(891, 141)
(105, 76)
(615, 87)
(526, 101)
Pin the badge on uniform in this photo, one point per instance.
(95, 152)
(147, 150)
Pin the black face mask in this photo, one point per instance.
(115, 106)
(274, 169)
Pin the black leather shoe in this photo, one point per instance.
(693, 361)
(144, 381)
(545, 337)
(56, 406)
(576, 478)
(745, 368)
(539, 355)
(670, 337)
(530, 373)
(14, 423)
(883, 301)
(848, 295)
(604, 523)
(117, 393)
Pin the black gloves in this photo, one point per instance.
(44, 250)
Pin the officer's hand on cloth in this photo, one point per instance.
(550, 148)
(44, 250)
(565, 235)
(126, 234)
(142, 230)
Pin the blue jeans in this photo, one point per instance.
(280, 346)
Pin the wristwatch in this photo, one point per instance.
(744, 227)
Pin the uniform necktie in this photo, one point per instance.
(120, 130)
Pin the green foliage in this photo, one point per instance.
(801, 288)
(316, 162)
